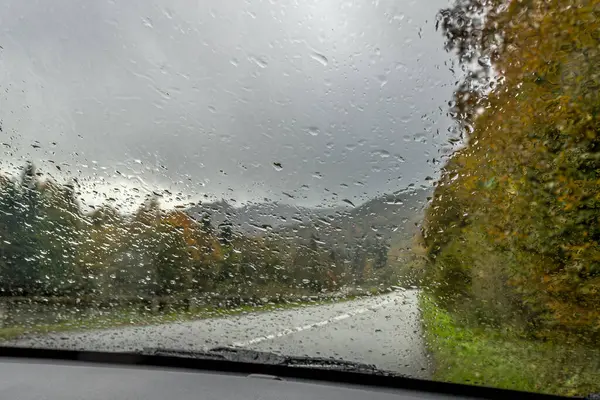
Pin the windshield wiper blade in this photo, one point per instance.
(237, 354)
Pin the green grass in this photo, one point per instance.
(131, 317)
(487, 357)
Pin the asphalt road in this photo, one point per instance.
(383, 330)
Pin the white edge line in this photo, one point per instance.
(289, 331)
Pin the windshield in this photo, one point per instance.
(404, 184)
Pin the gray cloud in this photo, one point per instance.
(203, 97)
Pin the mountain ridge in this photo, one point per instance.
(379, 217)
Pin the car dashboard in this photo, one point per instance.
(34, 374)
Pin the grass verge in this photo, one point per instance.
(482, 356)
(132, 317)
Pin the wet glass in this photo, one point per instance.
(407, 184)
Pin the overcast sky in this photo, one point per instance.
(203, 97)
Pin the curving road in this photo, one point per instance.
(383, 330)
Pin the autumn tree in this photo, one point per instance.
(17, 243)
(100, 249)
(514, 220)
(58, 233)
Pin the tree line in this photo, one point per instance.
(513, 230)
(50, 247)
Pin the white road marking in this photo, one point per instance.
(296, 329)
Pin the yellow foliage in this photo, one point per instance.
(529, 176)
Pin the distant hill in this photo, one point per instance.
(257, 218)
(384, 218)
(381, 218)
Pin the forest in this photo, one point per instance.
(50, 247)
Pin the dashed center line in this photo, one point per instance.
(296, 329)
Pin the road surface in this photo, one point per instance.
(383, 330)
